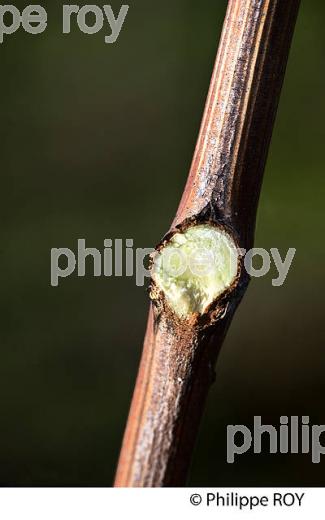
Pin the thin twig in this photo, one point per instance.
(223, 187)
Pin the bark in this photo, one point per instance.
(223, 187)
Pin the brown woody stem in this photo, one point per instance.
(223, 187)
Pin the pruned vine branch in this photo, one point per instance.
(222, 191)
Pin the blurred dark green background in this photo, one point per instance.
(96, 142)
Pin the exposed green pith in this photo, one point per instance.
(195, 267)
